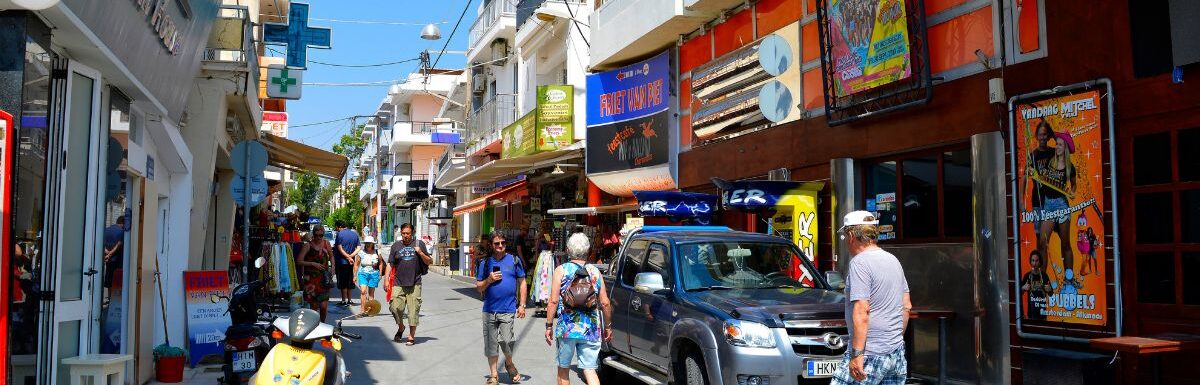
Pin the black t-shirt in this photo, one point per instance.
(407, 263)
(1043, 164)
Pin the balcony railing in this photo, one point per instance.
(491, 116)
(492, 12)
(420, 177)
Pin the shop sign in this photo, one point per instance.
(207, 297)
(676, 205)
(636, 143)
(520, 137)
(275, 123)
(555, 117)
(791, 205)
(161, 22)
(1062, 229)
(870, 46)
(629, 92)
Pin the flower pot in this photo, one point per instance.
(169, 369)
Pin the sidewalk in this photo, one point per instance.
(209, 374)
(455, 275)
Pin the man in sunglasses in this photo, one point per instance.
(501, 280)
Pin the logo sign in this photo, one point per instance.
(1061, 209)
(676, 205)
(284, 82)
(791, 205)
(258, 190)
(207, 297)
(633, 91)
(297, 35)
(631, 144)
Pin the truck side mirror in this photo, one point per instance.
(835, 279)
(648, 283)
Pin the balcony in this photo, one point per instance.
(231, 48)
(657, 24)
(484, 124)
(496, 20)
(405, 134)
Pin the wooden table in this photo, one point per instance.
(1150, 346)
(942, 316)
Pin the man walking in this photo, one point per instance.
(346, 246)
(501, 280)
(410, 259)
(877, 306)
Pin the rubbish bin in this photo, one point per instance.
(455, 259)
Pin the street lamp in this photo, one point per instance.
(431, 32)
(549, 14)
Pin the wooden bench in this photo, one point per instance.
(1150, 346)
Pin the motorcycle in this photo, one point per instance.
(247, 339)
(296, 359)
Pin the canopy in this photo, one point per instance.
(479, 203)
(505, 168)
(629, 205)
(298, 157)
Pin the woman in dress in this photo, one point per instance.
(366, 271)
(315, 257)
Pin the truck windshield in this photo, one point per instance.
(743, 265)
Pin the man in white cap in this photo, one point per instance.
(877, 306)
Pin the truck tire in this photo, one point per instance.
(693, 372)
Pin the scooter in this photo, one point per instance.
(296, 360)
(247, 340)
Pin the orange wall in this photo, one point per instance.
(424, 108)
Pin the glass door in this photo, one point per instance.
(74, 276)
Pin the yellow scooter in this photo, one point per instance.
(296, 361)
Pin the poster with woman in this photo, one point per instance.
(870, 45)
(1059, 166)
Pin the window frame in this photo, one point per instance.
(899, 159)
(639, 260)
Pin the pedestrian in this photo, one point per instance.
(580, 328)
(346, 246)
(877, 308)
(366, 272)
(501, 280)
(315, 258)
(410, 259)
(482, 250)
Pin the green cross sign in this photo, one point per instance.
(283, 80)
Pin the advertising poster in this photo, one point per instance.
(792, 205)
(555, 117)
(1061, 230)
(206, 318)
(870, 45)
(519, 138)
(636, 143)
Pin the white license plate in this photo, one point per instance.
(817, 368)
(244, 361)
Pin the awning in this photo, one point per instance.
(630, 205)
(479, 203)
(298, 157)
(506, 168)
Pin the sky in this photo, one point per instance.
(368, 32)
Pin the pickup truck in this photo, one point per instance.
(708, 305)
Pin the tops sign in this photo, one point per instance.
(629, 92)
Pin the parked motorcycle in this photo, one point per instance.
(247, 339)
(296, 359)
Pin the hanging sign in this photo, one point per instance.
(207, 298)
(297, 35)
(555, 117)
(519, 138)
(676, 205)
(1062, 229)
(870, 44)
(792, 207)
(284, 82)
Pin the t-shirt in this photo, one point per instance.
(1043, 163)
(501, 297)
(367, 261)
(876, 276)
(407, 263)
(348, 240)
(112, 235)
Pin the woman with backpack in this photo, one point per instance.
(579, 315)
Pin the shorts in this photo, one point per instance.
(587, 352)
(887, 369)
(1051, 205)
(368, 279)
(406, 300)
(498, 334)
(345, 276)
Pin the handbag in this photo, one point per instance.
(327, 279)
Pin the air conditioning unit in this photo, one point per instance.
(479, 83)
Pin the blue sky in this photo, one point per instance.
(368, 32)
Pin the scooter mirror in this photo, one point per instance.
(258, 263)
(215, 298)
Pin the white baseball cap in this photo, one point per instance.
(855, 218)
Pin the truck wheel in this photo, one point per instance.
(693, 370)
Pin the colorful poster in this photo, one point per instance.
(870, 45)
(1059, 154)
(519, 138)
(207, 295)
(794, 207)
(555, 117)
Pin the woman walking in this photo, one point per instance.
(578, 329)
(315, 258)
(366, 272)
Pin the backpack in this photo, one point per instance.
(580, 294)
(422, 268)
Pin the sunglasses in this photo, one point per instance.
(498, 243)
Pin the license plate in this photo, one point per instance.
(820, 368)
(244, 361)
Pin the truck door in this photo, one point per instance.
(629, 264)
(651, 315)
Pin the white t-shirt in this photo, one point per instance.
(367, 262)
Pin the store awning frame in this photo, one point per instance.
(630, 205)
(478, 204)
(298, 157)
(505, 168)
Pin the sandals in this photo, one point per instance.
(492, 380)
(513, 373)
(411, 341)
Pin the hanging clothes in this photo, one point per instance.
(542, 277)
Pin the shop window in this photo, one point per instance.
(1189, 158)
(1156, 278)
(632, 261)
(1189, 216)
(1191, 283)
(1153, 215)
(1152, 159)
(921, 197)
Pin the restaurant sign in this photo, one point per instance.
(628, 117)
(520, 137)
(555, 117)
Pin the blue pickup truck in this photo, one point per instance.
(707, 305)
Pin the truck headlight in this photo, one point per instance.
(748, 334)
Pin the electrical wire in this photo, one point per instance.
(374, 22)
(456, 24)
(389, 83)
(319, 123)
(351, 65)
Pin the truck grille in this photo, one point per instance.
(818, 350)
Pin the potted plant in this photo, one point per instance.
(168, 363)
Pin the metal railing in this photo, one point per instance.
(221, 50)
(491, 116)
(492, 12)
(419, 177)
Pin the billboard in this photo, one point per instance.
(629, 127)
(629, 92)
(869, 44)
(1060, 202)
(519, 138)
(555, 117)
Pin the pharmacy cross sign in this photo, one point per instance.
(297, 35)
(284, 82)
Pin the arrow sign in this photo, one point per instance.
(256, 153)
(258, 190)
(284, 82)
